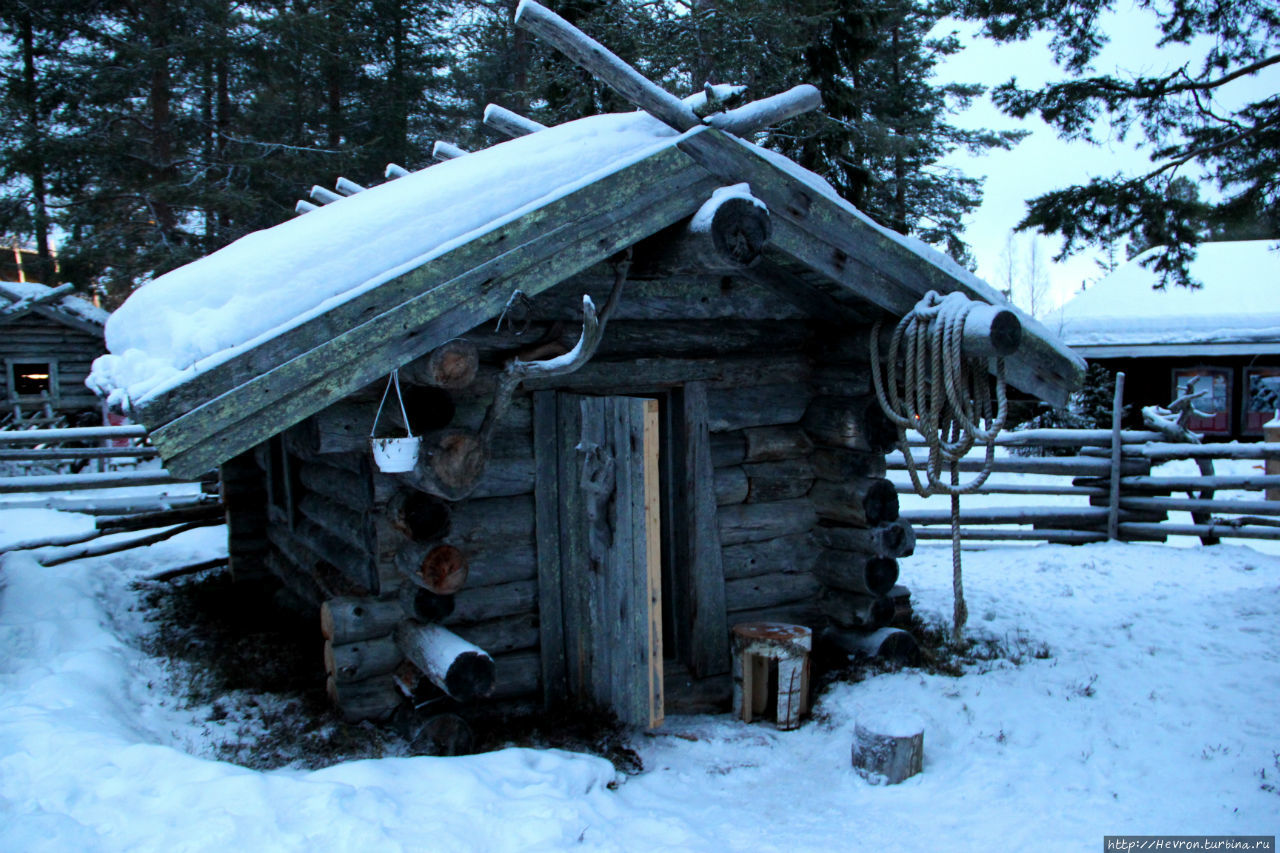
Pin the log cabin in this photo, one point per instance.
(48, 340)
(598, 495)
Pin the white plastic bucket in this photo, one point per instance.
(395, 455)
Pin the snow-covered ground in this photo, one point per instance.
(1155, 711)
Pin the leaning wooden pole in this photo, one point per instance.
(657, 102)
(1117, 447)
(605, 65)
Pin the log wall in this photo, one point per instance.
(36, 338)
(344, 538)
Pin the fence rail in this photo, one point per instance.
(124, 520)
(1113, 470)
(69, 446)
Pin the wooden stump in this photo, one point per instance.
(759, 647)
(888, 748)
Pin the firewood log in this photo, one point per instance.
(461, 669)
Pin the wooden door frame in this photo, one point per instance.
(700, 618)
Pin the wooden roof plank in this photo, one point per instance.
(660, 168)
(268, 404)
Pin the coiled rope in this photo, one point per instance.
(947, 398)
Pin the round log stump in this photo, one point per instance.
(888, 748)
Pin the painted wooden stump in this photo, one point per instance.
(758, 647)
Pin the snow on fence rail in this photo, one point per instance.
(1141, 503)
(154, 517)
(15, 446)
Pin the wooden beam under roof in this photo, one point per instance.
(241, 402)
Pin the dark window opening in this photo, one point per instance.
(32, 379)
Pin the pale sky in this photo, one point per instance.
(1043, 162)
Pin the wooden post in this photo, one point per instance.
(1113, 516)
(1271, 432)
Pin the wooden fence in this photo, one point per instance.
(101, 448)
(1113, 470)
(154, 517)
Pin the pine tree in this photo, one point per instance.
(36, 46)
(1192, 132)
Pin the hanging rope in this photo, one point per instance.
(947, 398)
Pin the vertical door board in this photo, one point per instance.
(610, 553)
(653, 556)
(702, 568)
(547, 497)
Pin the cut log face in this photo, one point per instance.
(372, 699)
(423, 604)
(451, 464)
(443, 571)
(451, 365)
(864, 503)
(854, 572)
(891, 539)
(419, 516)
(893, 645)
(441, 734)
(888, 751)
(852, 422)
(855, 610)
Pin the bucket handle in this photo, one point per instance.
(393, 379)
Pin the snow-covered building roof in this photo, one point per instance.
(1236, 311)
(21, 297)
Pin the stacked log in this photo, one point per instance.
(360, 655)
(860, 537)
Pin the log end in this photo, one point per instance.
(471, 676)
(882, 574)
(881, 502)
(1006, 333)
(444, 570)
(425, 605)
(458, 459)
(419, 516)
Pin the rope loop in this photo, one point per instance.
(943, 395)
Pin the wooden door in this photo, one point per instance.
(609, 562)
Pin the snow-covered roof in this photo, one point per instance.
(70, 308)
(285, 321)
(271, 280)
(1236, 310)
